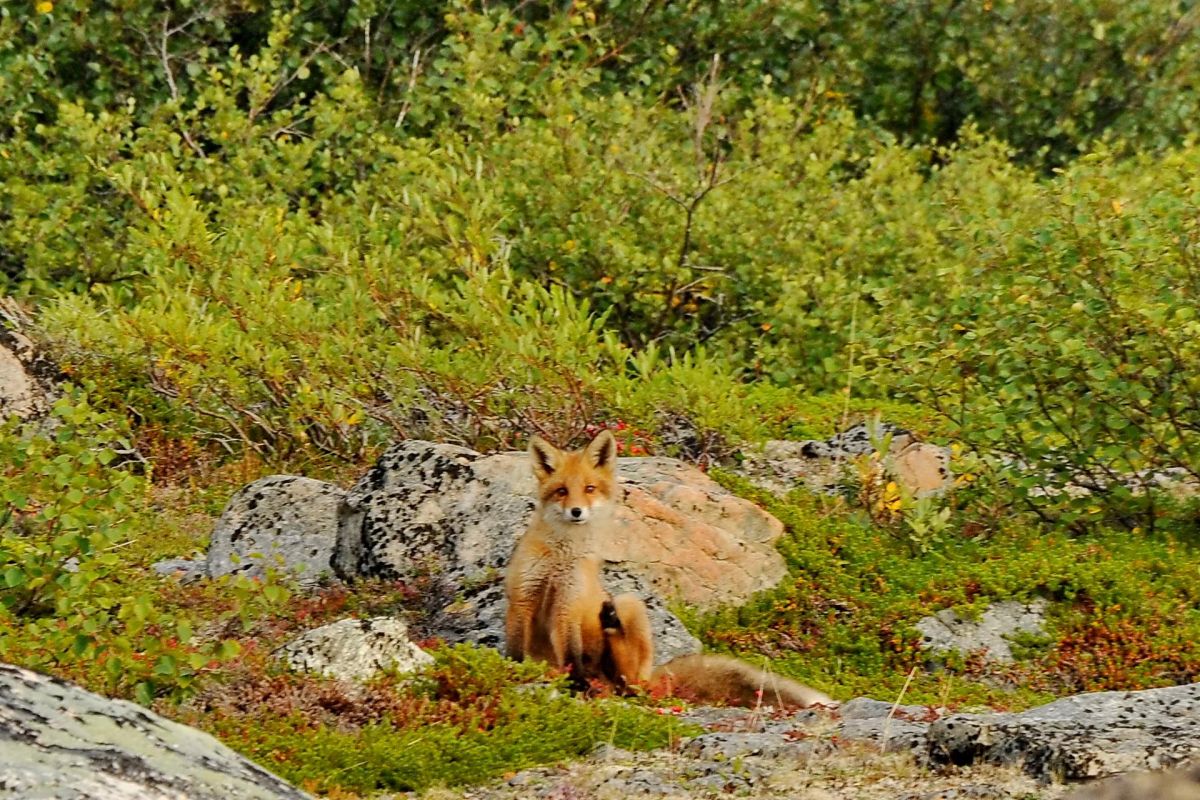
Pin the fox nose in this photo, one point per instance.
(576, 512)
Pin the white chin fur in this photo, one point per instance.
(557, 514)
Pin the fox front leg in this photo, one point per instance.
(567, 642)
(518, 633)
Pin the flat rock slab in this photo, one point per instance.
(282, 522)
(60, 742)
(1080, 737)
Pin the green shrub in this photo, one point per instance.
(1064, 349)
(1122, 613)
(68, 602)
(473, 716)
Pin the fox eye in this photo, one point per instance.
(561, 491)
(589, 489)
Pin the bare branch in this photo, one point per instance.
(414, 71)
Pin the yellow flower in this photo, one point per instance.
(45, 7)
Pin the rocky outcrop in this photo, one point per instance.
(28, 379)
(60, 742)
(828, 466)
(1080, 737)
(281, 522)
(947, 631)
(356, 649)
(446, 511)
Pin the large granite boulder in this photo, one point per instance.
(28, 379)
(281, 522)
(59, 742)
(1081, 737)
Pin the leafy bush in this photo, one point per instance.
(1064, 349)
(67, 602)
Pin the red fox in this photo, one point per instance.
(559, 612)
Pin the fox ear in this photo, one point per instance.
(545, 457)
(602, 452)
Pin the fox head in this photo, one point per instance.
(574, 487)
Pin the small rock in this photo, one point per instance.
(185, 570)
(355, 650)
(728, 746)
(827, 466)
(946, 631)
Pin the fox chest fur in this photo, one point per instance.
(554, 601)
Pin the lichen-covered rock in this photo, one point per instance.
(1076, 738)
(891, 727)
(281, 522)
(947, 631)
(828, 466)
(448, 511)
(59, 742)
(28, 379)
(356, 649)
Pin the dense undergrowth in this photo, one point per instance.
(274, 236)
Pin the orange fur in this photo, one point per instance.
(559, 612)
(553, 580)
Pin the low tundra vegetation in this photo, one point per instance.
(276, 236)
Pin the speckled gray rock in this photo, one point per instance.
(356, 649)
(59, 742)
(893, 728)
(433, 509)
(28, 379)
(947, 631)
(426, 506)
(185, 570)
(1076, 738)
(282, 522)
(726, 746)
